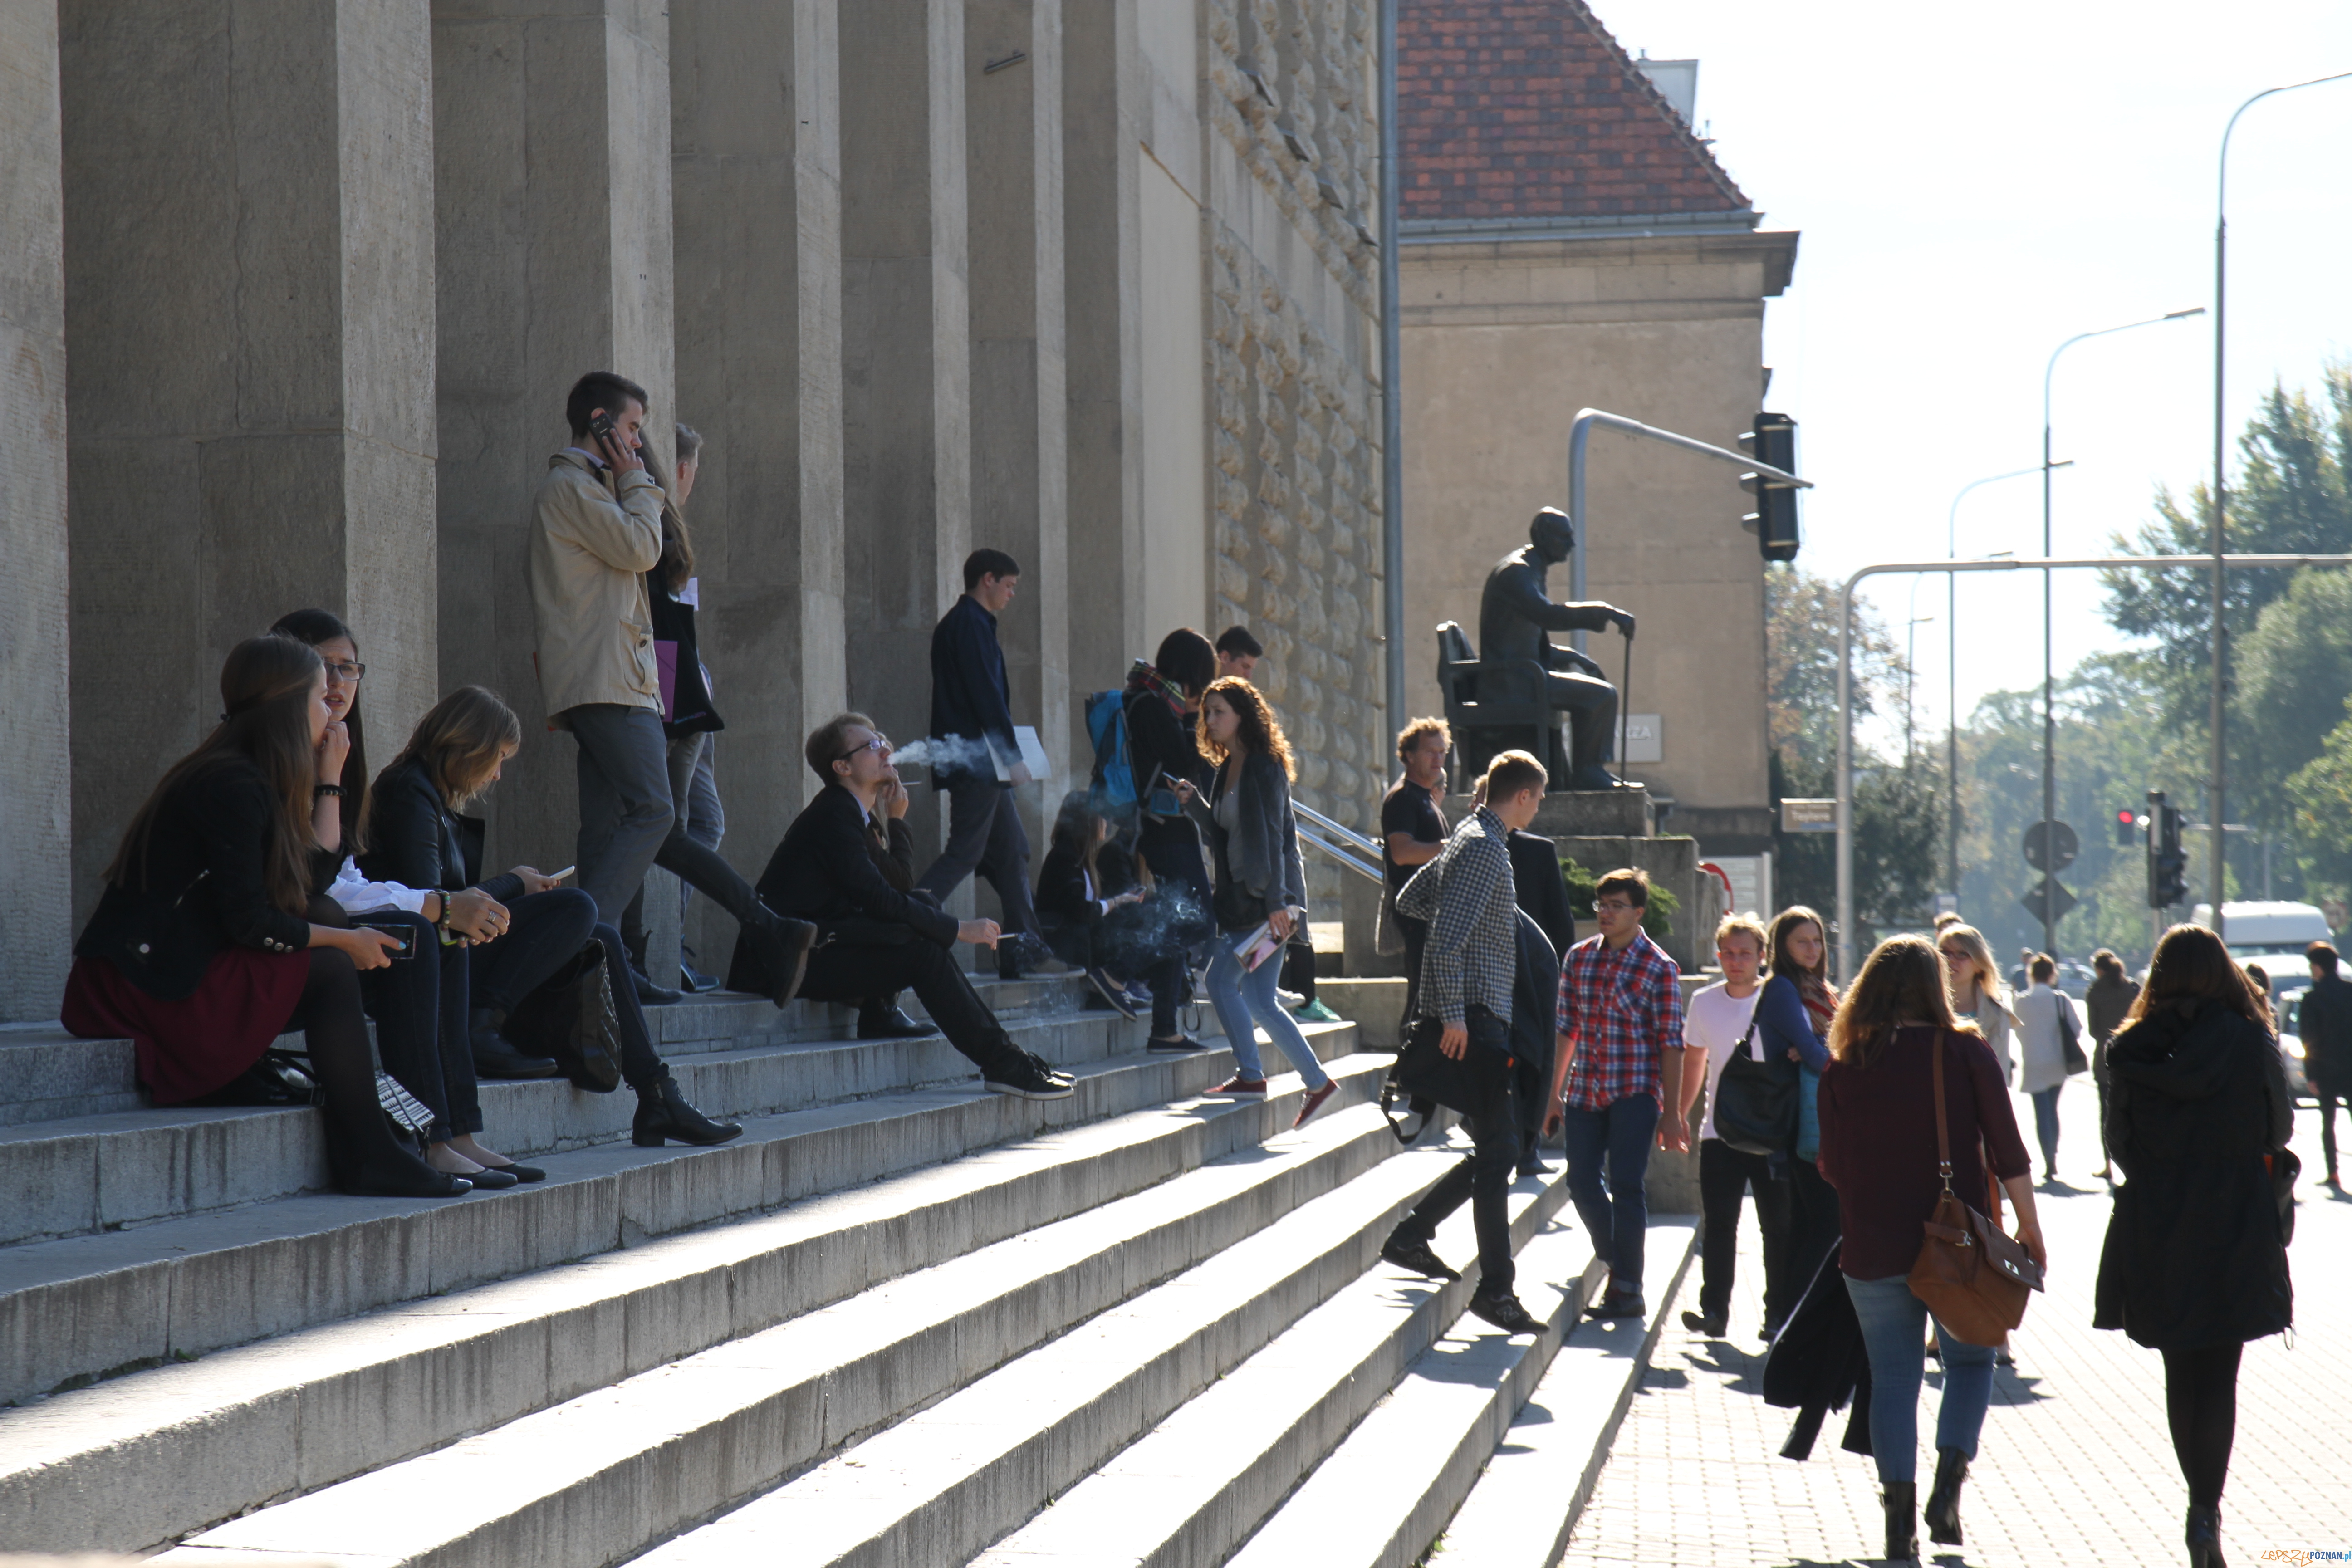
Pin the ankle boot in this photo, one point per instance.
(1943, 1510)
(2205, 1538)
(663, 1114)
(1902, 1499)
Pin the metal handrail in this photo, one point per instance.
(1347, 835)
(1360, 868)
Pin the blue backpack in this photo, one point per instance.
(1114, 775)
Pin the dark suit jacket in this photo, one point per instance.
(825, 871)
(1543, 892)
(969, 695)
(418, 841)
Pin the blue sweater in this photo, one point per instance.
(1785, 1023)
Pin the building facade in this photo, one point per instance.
(288, 306)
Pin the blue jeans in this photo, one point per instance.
(2045, 1125)
(1241, 995)
(1893, 1323)
(1617, 1219)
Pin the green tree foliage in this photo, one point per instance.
(2320, 792)
(2292, 672)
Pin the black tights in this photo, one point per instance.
(2200, 1400)
(360, 1149)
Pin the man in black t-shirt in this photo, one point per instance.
(1412, 829)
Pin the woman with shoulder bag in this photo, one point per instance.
(418, 837)
(1879, 1150)
(2195, 1260)
(1792, 1019)
(1260, 880)
(213, 936)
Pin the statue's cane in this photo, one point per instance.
(1625, 703)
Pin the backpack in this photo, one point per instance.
(1113, 787)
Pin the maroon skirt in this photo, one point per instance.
(200, 1042)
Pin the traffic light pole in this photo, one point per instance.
(1845, 918)
(1579, 433)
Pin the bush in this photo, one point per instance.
(1657, 918)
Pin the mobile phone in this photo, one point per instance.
(407, 948)
(559, 876)
(601, 424)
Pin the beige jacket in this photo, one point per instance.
(589, 554)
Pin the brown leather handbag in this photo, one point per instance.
(1974, 1279)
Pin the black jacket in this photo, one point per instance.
(2195, 1254)
(418, 841)
(1061, 901)
(1158, 740)
(2325, 1026)
(828, 870)
(1818, 1363)
(1542, 889)
(969, 695)
(1534, 991)
(690, 705)
(199, 888)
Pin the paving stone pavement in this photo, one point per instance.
(2076, 1466)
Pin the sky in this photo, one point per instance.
(1976, 185)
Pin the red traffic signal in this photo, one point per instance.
(2128, 823)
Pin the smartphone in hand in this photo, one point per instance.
(401, 934)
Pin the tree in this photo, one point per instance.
(2292, 672)
(2321, 795)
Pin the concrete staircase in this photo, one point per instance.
(900, 1321)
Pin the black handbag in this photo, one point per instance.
(1756, 1102)
(570, 1017)
(2070, 1037)
(1472, 1085)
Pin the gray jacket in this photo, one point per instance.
(1263, 850)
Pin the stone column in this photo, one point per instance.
(553, 195)
(1019, 411)
(758, 198)
(36, 762)
(905, 347)
(248, 207)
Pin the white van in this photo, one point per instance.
(2271, 934)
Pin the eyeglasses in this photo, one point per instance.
(878, 743)
(1615, 905)
(346, 674)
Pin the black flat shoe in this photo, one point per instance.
(441, 1186)
(520, 1172)
(492, 1180)
(495, 1056)
(1629, 1305)
(664, 1114)
(1181, 1046)
(650, 995)
(891, 1023)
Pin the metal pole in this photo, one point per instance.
(1392, 371)
(1844, 919)
(2217, 636)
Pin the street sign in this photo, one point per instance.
(1808, 816)
(1947, 903)
(2061, 901)
(2060, 839)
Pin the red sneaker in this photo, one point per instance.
(1314, 1103)
(1255, 1085)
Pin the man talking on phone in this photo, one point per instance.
(595, 530)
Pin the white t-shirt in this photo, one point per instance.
(1715, 1020)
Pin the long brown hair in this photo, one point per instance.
(677, 563)
(1784, 926)
(2191, 968)
(1259, 730)
(1901, 982)
(460, 742)
(314, 627)
(265, 687)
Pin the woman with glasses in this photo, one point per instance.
(1974, 980)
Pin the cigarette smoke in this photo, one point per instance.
(952, 751)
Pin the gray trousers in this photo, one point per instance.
(984, 833)
(694, 795)
(627, 822)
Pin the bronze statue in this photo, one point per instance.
(1516, 616)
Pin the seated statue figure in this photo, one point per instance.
(1516, 617)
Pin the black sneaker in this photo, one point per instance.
(1703, 1323)
(1181, 1046)
(1019, 1073)
(650, 995)
(1416, 1256)
(1627, 1305)
(1506, 1312)
(1112, 991)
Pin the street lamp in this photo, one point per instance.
(1952, 667)
(2049, 682)
(2215, 541)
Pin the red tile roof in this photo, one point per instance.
(1529, 109)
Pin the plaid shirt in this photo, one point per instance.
(1471, 902)
(1619, 1010)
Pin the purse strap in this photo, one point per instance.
(1943, 1122)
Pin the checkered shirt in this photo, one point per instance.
(1619, 1010)
(1468, 897)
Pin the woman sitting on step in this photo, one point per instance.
(213, 938)
(416, 838)
(1097, 915)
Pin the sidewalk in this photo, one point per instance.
(2076, 1466)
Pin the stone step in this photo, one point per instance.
(1193, 1486)
(132, 1167)
(1541, 1474)
(87, 1305)
(590, 1481)
(1385, 1496)
(1375, 1005)
(152, 1457)
(47, 1074)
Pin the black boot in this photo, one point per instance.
(2205, 1538)
(1943, 1510)
(1902, 1499)
(781, 945)
(663, 1114)
(495, 1056)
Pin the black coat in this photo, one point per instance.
(1535, 992)
(418, 841)
(1818, 1363)
(1542, 890)
(199, 888)
(1061, 901)
(969, 695)
(828, 870)
(1158, 740)
(2326, 1026)
(2195, 1255)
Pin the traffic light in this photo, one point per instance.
(1773, 441)
(2167, 862)
(2127, 826)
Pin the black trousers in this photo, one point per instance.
(546, 930)
(1134, 940)
(1726, 1175)
(1483, 1176)
(1813, 1224)
(851, 972)
(2328, 1098)
(1415, 933)
(420, 1006)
